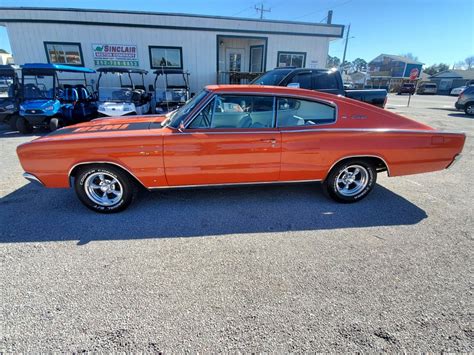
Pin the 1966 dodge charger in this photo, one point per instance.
(228, 135)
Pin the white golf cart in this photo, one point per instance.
(127, 98)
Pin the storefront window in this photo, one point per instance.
(166, 57)
(291, 59)
(64, 53)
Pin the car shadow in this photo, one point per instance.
(461, 115)
(35, 214)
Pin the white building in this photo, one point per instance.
(209, 47)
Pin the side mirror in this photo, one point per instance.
(294, 85)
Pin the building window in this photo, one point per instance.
(64, 53)
(166, 57)
(291, 59)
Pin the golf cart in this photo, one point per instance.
(126, 99)
(47, 101)
(168, 97)
(9, 87)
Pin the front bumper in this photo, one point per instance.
(33, 179)
(459, 106)
(455, 160)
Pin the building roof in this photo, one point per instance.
(398, 58)
(458, 73)
(142, 19)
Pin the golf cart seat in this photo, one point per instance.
(83, 94)
(138, 95)
(70, 95)
(32, 91)
(140, 87)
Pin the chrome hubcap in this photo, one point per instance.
(470, 109)
(103, 189)
(352, 180)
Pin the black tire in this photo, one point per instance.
(469, 108)
(12, 122)
(23, 126)
(54, 124)
(90, 175)
(367, 175)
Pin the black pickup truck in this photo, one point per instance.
(324, 80)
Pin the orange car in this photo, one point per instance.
(228, 135)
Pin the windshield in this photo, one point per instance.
(273, 77)
(6, 87)
(38, 87)
(117, 94)
(183, 111)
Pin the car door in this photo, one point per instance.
(303, 142)
(232, 140)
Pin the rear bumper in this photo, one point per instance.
(32, 178)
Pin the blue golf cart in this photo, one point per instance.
(9, 89)
(50, 101)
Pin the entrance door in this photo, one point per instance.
(256, 59)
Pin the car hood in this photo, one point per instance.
(106, 127)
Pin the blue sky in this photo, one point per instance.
(433, 30)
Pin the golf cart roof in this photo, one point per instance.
(170, 71)
(121, 70)
(43, 68)
(7, 70)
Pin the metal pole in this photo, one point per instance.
(345, 46)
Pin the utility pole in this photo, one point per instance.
(345, 46)
(261, 9)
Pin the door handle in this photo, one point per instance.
(272, 140)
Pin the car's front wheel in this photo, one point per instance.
(350, 181)
(23, 125)
(469, 109)
(104, 189)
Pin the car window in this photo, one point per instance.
(236, 111)
(303, 79)
(297, 112)
(325, 80)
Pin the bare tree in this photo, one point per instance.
(469, 61)
(410, 56)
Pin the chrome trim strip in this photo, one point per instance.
(371, 130)
(234, 184)
(455, 160)
(360, 156)
(102, 162)
(32, 178)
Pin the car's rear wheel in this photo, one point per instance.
(351, 180)
(23, 125)
(469, 109)
(104, 189)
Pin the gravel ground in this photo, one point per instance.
(272, 268)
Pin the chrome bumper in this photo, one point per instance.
(32, 178)
(455, 160)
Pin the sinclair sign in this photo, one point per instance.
(117, 55)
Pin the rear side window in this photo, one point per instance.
(324, 81)
(296, 112)
(303, 79)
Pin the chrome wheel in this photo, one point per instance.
(103, 189)
(352, 180)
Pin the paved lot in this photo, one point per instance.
(274, 268)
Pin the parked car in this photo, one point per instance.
(329, 81)
(406, 88)
(457, 91)
(466, 101)
(167, 97)
(427, 88)
(126, 98)
(47, 100)
(239, 134)
(9, 87)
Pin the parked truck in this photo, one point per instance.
(329, 81)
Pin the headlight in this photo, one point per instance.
(10, 107)
(49, 108)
